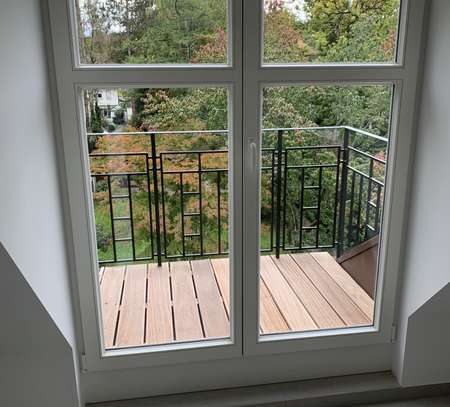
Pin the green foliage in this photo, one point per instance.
(96, 120)
(283, 41)
(365, 107)
(352, 31)
(197, 109)
(104, 239)
(151, 31)
(119, 117)
(135, 98)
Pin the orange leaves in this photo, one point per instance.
(214, 51)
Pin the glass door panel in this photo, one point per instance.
(159, 181)
(323, 165)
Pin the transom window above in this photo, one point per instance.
(339, 31)
(152, 31)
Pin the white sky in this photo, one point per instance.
(296, 7)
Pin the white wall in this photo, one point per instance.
(427, 260)
(31, 211)
(36, 361)
(31, 217)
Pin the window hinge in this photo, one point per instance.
(393, 333)
(83, 362)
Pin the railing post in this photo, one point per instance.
(343, 194)
(369, 196)
(279, 184)
(156, 194)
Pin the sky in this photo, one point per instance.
(296, 7)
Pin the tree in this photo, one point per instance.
(149, 31)
(96, 120)
(283, 36)
(352, 31)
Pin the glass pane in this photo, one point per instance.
(340, 31)
(324, 153)
(152, 31)
(159, 172)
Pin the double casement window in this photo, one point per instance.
(237, 172)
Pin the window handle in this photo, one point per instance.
(253, 154)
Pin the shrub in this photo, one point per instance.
(103, 237)
(119, 117)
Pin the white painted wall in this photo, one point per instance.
(31, 216)
(36, 360)
(427, 260)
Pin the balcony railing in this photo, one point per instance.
(174, 204)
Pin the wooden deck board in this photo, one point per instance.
(100, 274)
(271, 319)
(159, 306)
(318, 307)
(212, 310)
(110, 292)
(190, 300)
(186, 314)
(346, 282)
(333, 293)
(222, 273)
(290, 306)
(131, 326)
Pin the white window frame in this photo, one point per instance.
(403, 75)
(72, 77)
(245, 83)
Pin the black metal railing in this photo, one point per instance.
(174, 204)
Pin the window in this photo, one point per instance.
(152, 31)
(305, 31)
(229, 165)
(322, 190)
(160, 200)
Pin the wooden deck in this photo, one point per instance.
(189, 300)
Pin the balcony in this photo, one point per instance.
(164, 272)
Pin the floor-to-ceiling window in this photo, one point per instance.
(231, 169)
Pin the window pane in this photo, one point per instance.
(159, 175)
(152, 31)
(340, 31)
(324, 154)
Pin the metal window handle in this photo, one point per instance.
(253, 154)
